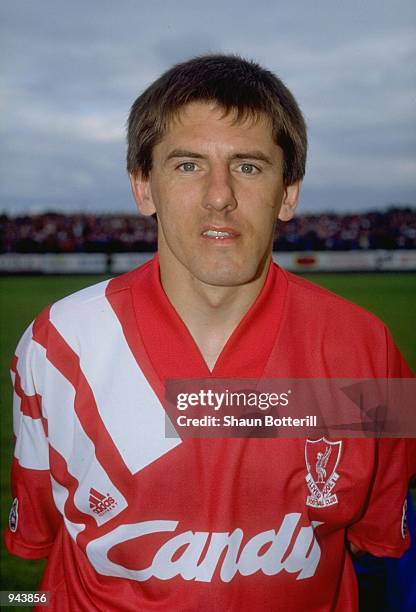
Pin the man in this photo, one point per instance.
(131, 519)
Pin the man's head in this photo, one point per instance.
(217, 150)
(232, 83)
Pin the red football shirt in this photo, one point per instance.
(131, 520)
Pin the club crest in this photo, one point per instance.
(322, 458)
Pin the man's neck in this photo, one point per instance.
(211, 313)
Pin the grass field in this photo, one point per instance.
(391, 296)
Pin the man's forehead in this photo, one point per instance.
(206, 128)
(193, 112)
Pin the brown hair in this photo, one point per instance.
(232, 82)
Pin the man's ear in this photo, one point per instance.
(140, 187)
(290, 201)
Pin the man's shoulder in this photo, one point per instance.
(335, 336)
(88, 295)
(89, 307)
(321, 303)
(91, 298)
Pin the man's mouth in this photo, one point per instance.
(220, 234)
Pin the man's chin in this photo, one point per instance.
(228, 276)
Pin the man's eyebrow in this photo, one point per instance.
(183, 153)
(259, 155)
(255, 154)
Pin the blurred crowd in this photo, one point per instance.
(88, 233)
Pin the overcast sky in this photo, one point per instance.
(70, 71)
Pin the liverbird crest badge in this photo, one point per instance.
(322, 458)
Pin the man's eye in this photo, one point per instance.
(248, 169)
(188, 167)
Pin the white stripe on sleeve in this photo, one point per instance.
(67, 436)
(128, 406)
(31, 448)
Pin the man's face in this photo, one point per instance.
(217, 188)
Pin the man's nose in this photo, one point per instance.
(219, 194)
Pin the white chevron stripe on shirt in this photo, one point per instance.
(128, 406)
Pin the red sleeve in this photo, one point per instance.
(381, 530)
(33, 519)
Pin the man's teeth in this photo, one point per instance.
(216, 234)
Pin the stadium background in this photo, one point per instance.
(71, 71)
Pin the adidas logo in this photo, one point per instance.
(100, 503)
